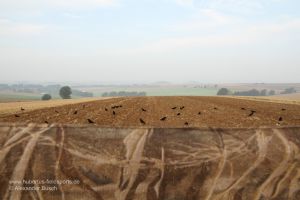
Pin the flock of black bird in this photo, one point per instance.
(142, 121)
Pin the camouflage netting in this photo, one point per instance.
(89, 162)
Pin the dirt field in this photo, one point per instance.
(167, 112)
(14, 107)
(148, 164)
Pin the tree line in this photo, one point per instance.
(123, 94)
(254, 92)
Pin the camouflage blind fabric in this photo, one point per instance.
(90, 162)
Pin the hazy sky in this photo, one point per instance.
(150, 40)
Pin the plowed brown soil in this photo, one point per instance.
(197, 112)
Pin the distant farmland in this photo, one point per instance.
(156, 90)
(16, 96)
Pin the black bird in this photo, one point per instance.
(280, 119)
(174, 108)
(17, 115)
(75, 112)
(163, 119)
(106, 109)
(22, 109)
(182, 107)
(186, 123)
(252, 113)
(114, 113)
(144, 110)
(178, 114)
(90, 121)
(142, 121)
(56, 111)
(199, 113)
(46, 122)
(243, 108)
(283, 109)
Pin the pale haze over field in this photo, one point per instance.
(150, 40)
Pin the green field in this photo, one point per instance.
(18, 96)
(98, 91)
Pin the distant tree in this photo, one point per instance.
(123, 94)
(271, 92)
(223, 91)
(263, 92)
(105, 94)
(252, 92)
(113, 94)
(289, 91)
(65, 92)
(142, 94)
(46, 97)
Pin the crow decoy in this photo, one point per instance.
(182, 107)
(22, 109)
(243, 108)
(280, 119)
(283, 109)
(163, 119)
(186, 123)
(178, 114)
(56, 111)
(75, 112)
(105, 109)
(142, 121)
(252, 113)
(90, 121)
(174, 108)
(46, 122)
(144, 110)
(199, 113)
(114, 113)
(17, 115)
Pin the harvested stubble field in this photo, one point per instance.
(167, 112)
(13, 107)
